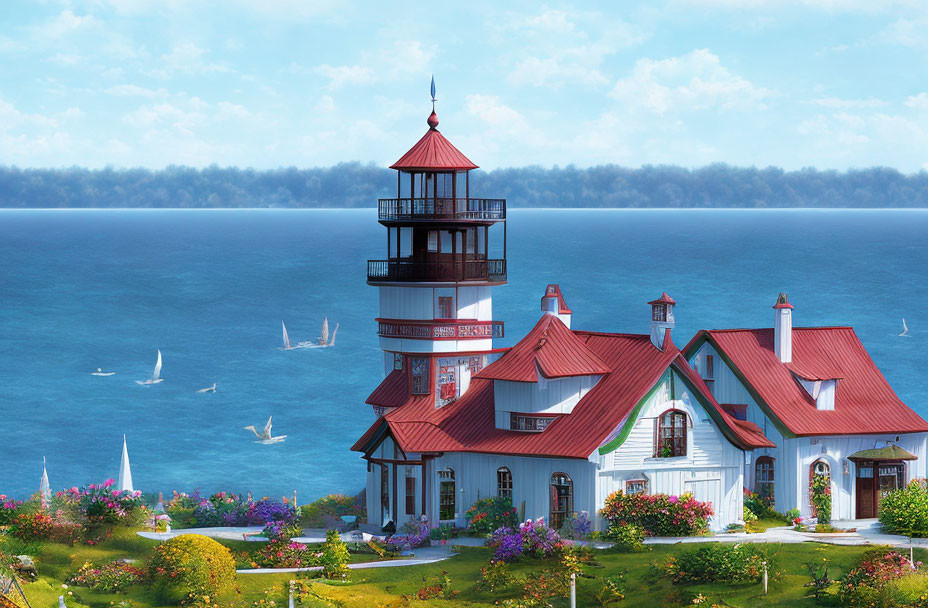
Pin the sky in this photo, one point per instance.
(831, 84)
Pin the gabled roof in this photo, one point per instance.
(664, 299)
(392, 392)
(550, 349)
(433, 151)
(864, 401)
(469, 423)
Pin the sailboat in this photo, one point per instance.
(905, 329)
(155, 375)
(287, 345)
(100, 372)
(208, 389)
(323, 341)
(264, 436)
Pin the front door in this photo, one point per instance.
(866, 494)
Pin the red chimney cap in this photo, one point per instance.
(664, 299)
(782, 301)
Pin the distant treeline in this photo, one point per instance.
(359, 185)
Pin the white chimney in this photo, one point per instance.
(553, 303)
(661, 318)
(783, 329)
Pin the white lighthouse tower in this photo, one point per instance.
(445, 252)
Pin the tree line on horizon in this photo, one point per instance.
(357, 185)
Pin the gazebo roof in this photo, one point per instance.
(889, 452)
(433, 152)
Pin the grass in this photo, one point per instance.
(396, 587)
(761, 525)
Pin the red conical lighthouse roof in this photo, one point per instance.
(433, 151)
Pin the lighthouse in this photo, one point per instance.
(446, 250)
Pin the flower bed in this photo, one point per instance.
(414, 535)
(488, 514)
(279, 554)
(111, 576)
(871, 582)
(658, 514)
(225, 509)
(531, 539)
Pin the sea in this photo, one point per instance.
(88, 289)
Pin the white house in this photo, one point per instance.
(819, 397)
(566, 417)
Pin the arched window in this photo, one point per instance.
(504, 483)
(671, 434)
(763, 477)
(819, 468)
(446, 495)
(562, 499)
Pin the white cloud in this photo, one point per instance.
(836, 102)
(65, 24)
(339, 76)
(695, 81)
(186, 58)
(392, 62)
(558, 47)
(132, 90)
(917, 102)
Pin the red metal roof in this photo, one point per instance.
(468, 424)
(864, 401)
(554, 291)
(664, 299)
(433, 151)
(392, 392)
(549, 348)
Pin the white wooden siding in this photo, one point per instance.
(557, 396)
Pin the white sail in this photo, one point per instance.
(286, 337)
(45, 488)
(324, 337)
(157, 373)
(267, 429)
(124, 482)
(905, 328)
(332, 341)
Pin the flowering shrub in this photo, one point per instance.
(629, 538)
(281, 554)
(759, 505)
(532, 539)
(32, 526)
(415, 534)
(864, 585)
(436, 586)
(820, 497)
(495, 576)
(333, 506)
(278, 530)
(576, 527)
(8, 509)
(334, 558)
(712, 562)
(658, 514)
(488, 514)
(191, 566)
(100, 504)
(905, 511)
(225, 509)
(111, 576)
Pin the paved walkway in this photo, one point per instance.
(867, 533)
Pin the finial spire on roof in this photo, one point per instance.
(433, 117)
(125, 473)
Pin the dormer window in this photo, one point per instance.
(528, 422)
(821, 391)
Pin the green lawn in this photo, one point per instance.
(395, 587)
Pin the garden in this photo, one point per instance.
(82, 545)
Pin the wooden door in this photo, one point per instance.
(866, 491)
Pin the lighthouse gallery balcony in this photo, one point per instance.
(451, 271)
(447, 209)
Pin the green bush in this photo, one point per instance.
(658, 514)
(877, 582)
(723, 562)
(189, 567)
(820, 496)
(334, 560)
(628, 538)
(749, 515)
(489, 514)
(319, 513)
(905, 511)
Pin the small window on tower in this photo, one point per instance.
(445, 307)
(419, 369)
(658, 312)
(397, 361)
(433, 240)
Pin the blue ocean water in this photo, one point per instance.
(87, 289)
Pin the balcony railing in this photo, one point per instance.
(439, 330)
(493, 271)
(471, 209)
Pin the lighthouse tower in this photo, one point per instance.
(445, 252)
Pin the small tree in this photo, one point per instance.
(334, 560)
